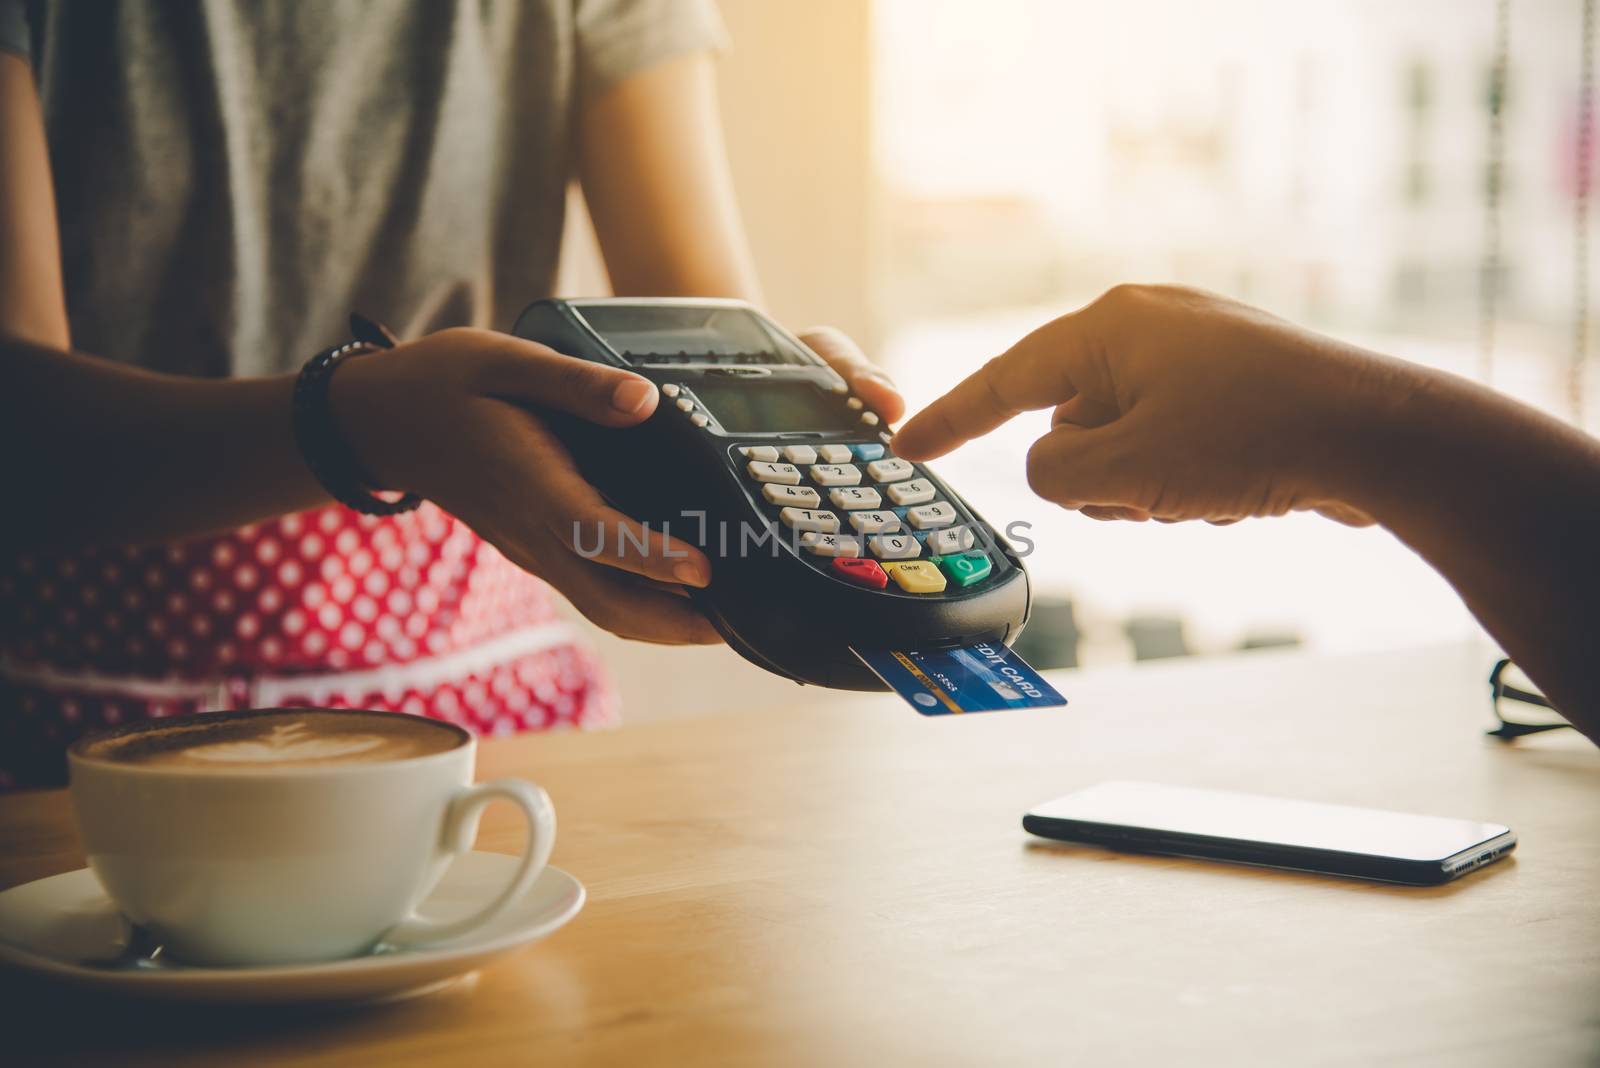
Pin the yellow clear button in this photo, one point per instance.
(915, 576)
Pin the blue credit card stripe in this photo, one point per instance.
(922, 677)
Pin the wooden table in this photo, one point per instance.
(843, 882)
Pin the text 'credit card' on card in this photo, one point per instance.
(978, 678)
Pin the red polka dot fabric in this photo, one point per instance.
(328, 608)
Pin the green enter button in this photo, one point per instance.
(965, 569)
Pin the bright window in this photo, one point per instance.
(1326, 160)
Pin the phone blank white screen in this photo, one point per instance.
(1309, 824)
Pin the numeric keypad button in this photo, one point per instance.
(763, 453)
(874, 522)
(810, 519)
(951, 540)
(830, 544)
(930, 516)
(855, 497)
(783, 474)
(792, 496)
(835, 454)
(800, 454)
(917, 491)
(890, 470)
(835, 474)
(894, 546)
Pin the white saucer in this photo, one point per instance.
(52, 926)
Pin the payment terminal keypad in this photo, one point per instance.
(866, 517)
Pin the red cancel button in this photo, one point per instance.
(861, 572)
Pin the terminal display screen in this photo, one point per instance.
(771, 405)
(667, 334)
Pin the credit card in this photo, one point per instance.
(978, 678)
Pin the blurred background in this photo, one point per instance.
(937, 177)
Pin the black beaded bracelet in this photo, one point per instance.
(325, 449)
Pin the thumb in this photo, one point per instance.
(1077, 466)
(841, 353)
(525, 372)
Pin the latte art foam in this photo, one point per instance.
(286, 743)
(276, 739)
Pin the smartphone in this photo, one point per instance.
(1364, 843)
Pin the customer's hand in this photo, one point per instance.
(1176, 404)
(452, 417)
(866, 381)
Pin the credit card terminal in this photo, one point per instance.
(820, 539)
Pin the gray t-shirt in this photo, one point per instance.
(233, 177)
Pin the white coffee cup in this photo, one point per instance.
(253, 866)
